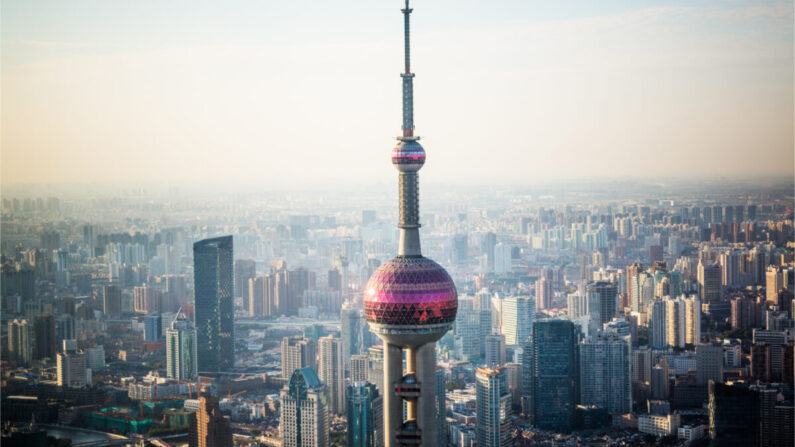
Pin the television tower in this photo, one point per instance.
(410, 301)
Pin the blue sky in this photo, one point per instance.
(300, 91)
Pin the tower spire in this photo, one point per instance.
(407, 75)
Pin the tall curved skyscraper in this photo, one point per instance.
(410, 301)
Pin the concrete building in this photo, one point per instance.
(606, 373)
(518, 313)
(71, 370)
(331, 371)
(709, 364)
(208, 427)
(20, 341)
(359, 367)
(181, 349)
(658, 425)
(297, 352)
(495, 350)
(710, 287)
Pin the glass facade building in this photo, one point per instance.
(365, 416)
(554, 374)
(213, 279)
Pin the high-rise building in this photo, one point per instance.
(493, 407)
(181, 349)
(632, 280)
(208, 427)
(602, 299)
(655, 253)
(111, 301)
(245, 269)
(359, 366)
(353, 328)
(605, 373)
(304, 420)
(774, 281)
(331, 369)
(153, 327)
(733, 415)
(641, 365)
(46, 342)
(95, 358)
(365, 416)
(730, 268)
(298, 352)
(543, 293)
(64, 328)
(20, 342)
(441, 407)
(468, 336)
(709, 364)
(518, 313)
(71, 370)
(657, 324)
(710, 289)
(214, 304)
(502, 258)
(147, 300)
(410, 301)
(554, 373)
(495, 350)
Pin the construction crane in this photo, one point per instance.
(229, 395)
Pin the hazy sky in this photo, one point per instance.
(308, 92)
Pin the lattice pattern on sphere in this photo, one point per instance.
(410, 291)
(408, 153)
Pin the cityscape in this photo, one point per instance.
(417, 306)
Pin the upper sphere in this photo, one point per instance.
(410, 291)
(408, 156)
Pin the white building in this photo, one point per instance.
(606, 373)
(659, 425)
(331, 369)
(502, 258)
(691, 432)
(518, 313)
(71, 370)
(181, 349)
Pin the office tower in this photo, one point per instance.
(502, 258)
(152, 328)
(674, 323)
(460, 249)
(709, 363)
(733, 415)
(146, 300)
(495, 350)
(375, 366)
(605, 373)
(543, 293)
(518, 313)
(365, 415)
(602, 296)
(353, 328)
(208, 427)
(181, 349)
(632, 280)
(20, 342)
(331, 369)
(297, 352)
(111, 301)
(710, 289)
(95, 358)
(774, 281)
(297, 282)
(64, 328)
(641, 365)
(359, 365)
(487, 243)
(71, 370)
(245, 269)
(515, 374)
(657, 322)
(655, 253)
(554, 374)
(214, 304)
(441, 407)
(46, 344)
(410, 301)
(304, 411)
(493, 407)
(256, 296)
(468, 335)
(660, 383)
(577, 306)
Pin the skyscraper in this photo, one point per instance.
(365, 416)
(245, 269)
(352, 332)
(410, 301)
(774, 281)
(710, 288)
(518, 313)
(181, 349)
(605, 373)
(502, 258)
(331, 371)
(71, 370)
(554, 374)
(46, 344)
(709, 363)
(304, 420)
(441, 407)
(111, 301)
(495, 350)
(733, 415)
(543, 293)
(359, 367)
(602, 298)
(214, 304)
(20, 341)
(297, 352)
(208, 427)
(493, 407)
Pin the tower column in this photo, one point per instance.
(426, 374)
(393, 405)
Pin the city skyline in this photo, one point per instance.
(553, 91)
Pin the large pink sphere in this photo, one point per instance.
(410, 290)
